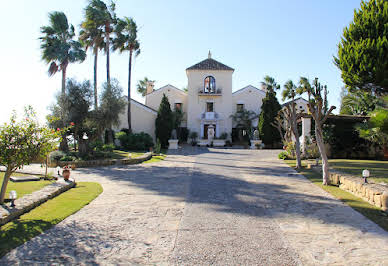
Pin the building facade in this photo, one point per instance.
(208, 102)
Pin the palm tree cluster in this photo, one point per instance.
(101, 29)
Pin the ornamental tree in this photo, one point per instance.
(291, 115)
(269, 110)
(363, 50)
(317, 97)
(23, 141)
(164, 122)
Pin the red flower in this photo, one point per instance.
(72, 124)
(58, 129)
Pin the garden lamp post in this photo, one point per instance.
(365, 175)
(59, 170)
(13, 195)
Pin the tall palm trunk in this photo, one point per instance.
(107, 46)
(95, 79)
(63, 145)
(64, 69)
(7, 176)
(129, 91)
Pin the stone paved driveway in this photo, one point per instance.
(201, 207)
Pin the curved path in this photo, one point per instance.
(208, 206)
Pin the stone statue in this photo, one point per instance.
(256, 135)
(210, 132)
(173, 134)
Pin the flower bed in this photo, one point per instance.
(93, 163)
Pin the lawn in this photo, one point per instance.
(46, 215)
(156, 158)
(23, 188)
(378, 169)
(118, 154)
(371, 212)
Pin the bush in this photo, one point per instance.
(224, 135)
(56, 155)
(183, 134)
(290, 150)
(96, 145)
(68, 158)
(158, 146)
(283, 155)
(108, 147)
(135, 141)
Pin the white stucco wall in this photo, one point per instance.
(251, 97)
(173, 94)
(197, 103)
(142, 119)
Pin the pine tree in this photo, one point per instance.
(164, 122)
(363, 50)
(269, 110)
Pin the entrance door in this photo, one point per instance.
(205, 128)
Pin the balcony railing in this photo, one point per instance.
(205, 92)
(209, 115)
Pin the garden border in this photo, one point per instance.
(80, 164)
(33, 200)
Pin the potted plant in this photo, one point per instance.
(220, 142)
(66, 172)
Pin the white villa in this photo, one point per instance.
(209, 101)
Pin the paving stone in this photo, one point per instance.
(208, 206)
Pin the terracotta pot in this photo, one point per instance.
(66, 174)
(385, 152)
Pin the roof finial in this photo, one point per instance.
(209, 55)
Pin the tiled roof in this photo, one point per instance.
(209, 64)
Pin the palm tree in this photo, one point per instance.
(126, 40)
(91, 36)
(270, 84)
(142, 86)
(58, 47)
(102, 18)
(290, 113)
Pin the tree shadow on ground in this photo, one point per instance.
(43, 249)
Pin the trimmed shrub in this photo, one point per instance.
(56, 155)
(135, 141)
(283, 155)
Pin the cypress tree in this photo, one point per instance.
(164, 122)
(269, 110)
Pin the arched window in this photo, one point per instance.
(210, 85)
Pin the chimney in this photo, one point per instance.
(150, 87)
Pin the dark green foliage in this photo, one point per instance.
(135, 141)
(269, 110)
(183, 134)
(363, 50)
(283, 155)
(164, 122)
(345, 142)
(358, 102)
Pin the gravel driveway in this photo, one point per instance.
(208, 206)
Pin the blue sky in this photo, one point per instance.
(284, 39)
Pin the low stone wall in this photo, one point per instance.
(140, 159)
(375, 194)
(93, 163)
(30, 201)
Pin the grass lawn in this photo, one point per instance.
(23, 188)
(156, 158)
(371, 212)
(46, 215)
(118, 154)
(378, 169)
